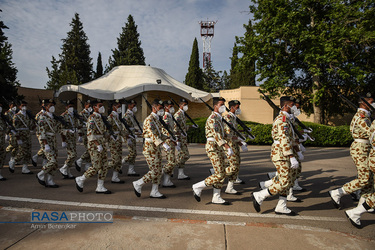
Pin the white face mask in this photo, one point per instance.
(373, 104)
(24, 108)
(71, 110)
(222, 109)
(89, 109)
(185, 108)
(119, 110)
(160, 112)
(101, 110)
(134, 109)
(14, 109)
(171, 110)
(295, 111)
(52, 109)
(238, 111)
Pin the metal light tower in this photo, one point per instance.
(207, 33)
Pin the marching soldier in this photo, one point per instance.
(183, 154)
(96, 132)
(3, 129)
(85, 157)
(34, 159)
(359, 150)
(283, 157)
(23, 125)
(12, 147)
(152, 133)
(170, 155)
(70, 142)
(115, 144)
(130, 119)
(49, 128)
(215, 147)
(234, 143)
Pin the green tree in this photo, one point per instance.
(194, 76)
(243, 68)
(99, 66)
(8, 71)
(129, 51)
(307, 47)
(212, 79)
(74, 65)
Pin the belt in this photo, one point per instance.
(48, 133)
(276, 142)
(362, 141)
(148, 139)
(211, 139)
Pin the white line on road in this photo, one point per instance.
(171, 210)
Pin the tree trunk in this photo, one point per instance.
(318, 112)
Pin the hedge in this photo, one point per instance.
(325, 136)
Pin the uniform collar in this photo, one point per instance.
(114, 113)
(368, 113)
(155, 115)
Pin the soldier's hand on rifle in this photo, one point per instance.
(230, 151)
(293, 162)
(244, 147)
(301, 157)
(166, 147)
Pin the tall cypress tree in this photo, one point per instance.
(75, 64)
(129, 51)
(8, 72)
(194, 76)
(99, 66)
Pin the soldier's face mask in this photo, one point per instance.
(101, 110)
(185, 108)
(160, 112)
(71, 110)
(89, 109)
(238, 111)
(171, 110)
(23, 108)
(134, 109)
(14, 109)
(51, 109)
(295, 111)
(119, 110)
(221, 109)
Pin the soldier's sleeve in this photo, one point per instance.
(91, 129)
(42, 127)
(156, 139)
(283, 130)
(363, 124)
(215, 126)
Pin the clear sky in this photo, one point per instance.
(167, 30)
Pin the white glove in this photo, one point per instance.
(100, 148)
(80, 139)
(294, 163)
(135, 136)
(178, 148)
(166, 147)
(6, 137)
(230, 152)
(195, 126)
(13, 132)
(307, 131)
(300, 156)
(64, 144)
(47, 148)
(304, 138)
(179, 144)
(244, 148)
(302, 148)
(19, 142)
(71, 131)
(129, 141)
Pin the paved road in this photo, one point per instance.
(323, 169)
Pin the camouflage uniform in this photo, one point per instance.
(23, 125)
(152, 132)
(182, 155)
(115, 144)
(129, 118)
(12, 147)
(216, 138)
(3, 129)
(37, 116)
(282, 147)
(171, 159)
(233, 142)
(370, 197)
(70, 134)
(49, 128)
(359, 150)
(85, 114)
(96, 132)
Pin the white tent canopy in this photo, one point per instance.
(129, 81)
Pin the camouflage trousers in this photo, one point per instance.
(234, 162)
(24, 150)
(171, 158)
(130, 158)
(51, 156)
(40, 151)
(283, 180)
(217, 158)
(85, 156)
(2, 150)
(115, 147)
(71, 150)
(12, 147)
(99, 161)
(153, 157)
(360, 155)
(183, 155)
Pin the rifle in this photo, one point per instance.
(108, 126)
(225, 121)
(6, 120)
(186, 114)
(346, 100)
(273, 105)
(364, 100)
(160, 119)
(136, 121)
(126, 125)
(178, 125)
(243, 125)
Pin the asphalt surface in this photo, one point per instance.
(181, 222)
